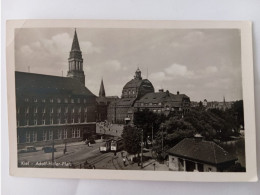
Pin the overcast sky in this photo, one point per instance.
(203, 64)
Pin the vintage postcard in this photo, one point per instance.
(139, 100)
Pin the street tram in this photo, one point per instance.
(105, 147)
(117, 145)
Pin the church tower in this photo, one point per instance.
(102, 92)
(76, 61)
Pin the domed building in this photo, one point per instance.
(121, 111)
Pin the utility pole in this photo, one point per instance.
(52, 157)
(152, 134)
(162, 138)
(142, 140)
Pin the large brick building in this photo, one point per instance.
(55, 108)
(121, 110)
(138, 94)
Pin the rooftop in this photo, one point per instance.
(32, 83)
(202, 151)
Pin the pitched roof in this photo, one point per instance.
(202, 151)
(39, 84)
(160, 97)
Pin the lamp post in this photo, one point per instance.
(52, 156)
(142, 140)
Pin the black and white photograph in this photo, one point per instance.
(130, 99)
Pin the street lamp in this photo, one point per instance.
(142, 140)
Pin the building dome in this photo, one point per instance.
(137, 87)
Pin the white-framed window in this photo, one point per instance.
(73, 120)
(150, 104)
(58, 120)
(86, 109)
(51, 120)
(78, 100)
(172, 109)
(44, 135)
(35, 109)
(66, 100)
(73, 133)
(51, 110)
(59, 110)
(27, 122)
(65, 133)
(50, 134)
(59, 134)
(180, 109)
(28, 137)
(79, 109)
(159, 110)
(26, 99)
(43, 121)
(154, 110)
(35, 99)
(78, 133)
(85, 118)
(160, 104)
(66, 109)
(85, 100)
(73, 110)
(27, 110)
(79, 119)
(66, 120)
(72, 100)
(43, 110)
(43, 100)
(35, 121)
(58, 100)
(34, 136)
(142, 104)
(51, 100)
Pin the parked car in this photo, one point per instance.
(48, 149)
(28, 149)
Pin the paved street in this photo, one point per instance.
(80, 155)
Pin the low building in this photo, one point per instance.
(195, 154)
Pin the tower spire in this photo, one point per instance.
(76, 61)
(75, 44)
(102, 92)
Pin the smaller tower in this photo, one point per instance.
(102, 92)
(138, 74)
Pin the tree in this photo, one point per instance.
(148, 121)
(132, 139)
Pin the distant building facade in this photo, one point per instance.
(103, 102)
(52, 108)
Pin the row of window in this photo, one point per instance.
(31, 136)
(51, 121)
(129, 92)
(35, 110)
(151, 104)
(58, 100)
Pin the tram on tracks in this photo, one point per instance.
(106, 146)
(117, 145)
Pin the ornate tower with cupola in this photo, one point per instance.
(76, 61)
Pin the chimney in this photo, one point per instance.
(160, 90)
(178, 93)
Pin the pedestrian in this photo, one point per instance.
(89, 145)
(124, 161)
(93, 167)
(115, 153)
